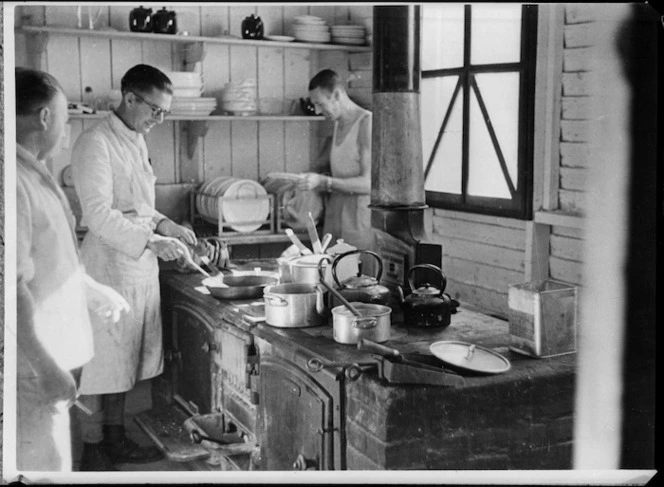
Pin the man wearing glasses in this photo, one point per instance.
(115, 184)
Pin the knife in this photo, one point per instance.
(327, 238)
(313, 234)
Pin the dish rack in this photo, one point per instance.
(268, 226)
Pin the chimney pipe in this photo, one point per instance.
(397, 175)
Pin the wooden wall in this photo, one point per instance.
(245, 149)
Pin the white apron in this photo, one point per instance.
(115, 184)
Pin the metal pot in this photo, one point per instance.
(374, 324)
(293, 305)
(305, 269)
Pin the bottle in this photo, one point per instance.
(89, 97)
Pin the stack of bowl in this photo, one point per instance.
(187, 90)
(308, 28)
(352, 35)
(239, 98)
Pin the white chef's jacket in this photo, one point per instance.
(115, 185)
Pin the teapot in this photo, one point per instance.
(252, 27)
(140, 19)
(164, 22)
(362, 288)
(426, 306)
(307, 106)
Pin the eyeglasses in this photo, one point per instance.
(156, 111)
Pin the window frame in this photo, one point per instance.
(520, 205)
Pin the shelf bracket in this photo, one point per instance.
(37, 43)
(194, 129)
(192, 53)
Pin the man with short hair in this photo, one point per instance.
(54, 295)
(115, 183)
(348, 154)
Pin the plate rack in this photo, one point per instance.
(269, 226)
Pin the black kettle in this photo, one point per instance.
(427, 306)
(361, 288)
(164, 22)
(252, 27)
(140, 19)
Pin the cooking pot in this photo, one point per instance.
(238, 287)
(304, 269)
(293, 305)
(374, 324)
(426, 306)
(164, 22)
(361, 288)
(140, 19)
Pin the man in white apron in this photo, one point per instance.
(54, 295)
(114, 181)
(347, 213)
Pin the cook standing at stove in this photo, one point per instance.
(54, 295)
(115, 184)
(347, 213)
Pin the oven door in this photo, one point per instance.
(296, 418)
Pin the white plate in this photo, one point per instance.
(313, 39)
(280, 38)
(245, 208)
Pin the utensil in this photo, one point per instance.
(426, 306)
(140, 19)
(252, 27)
(298, 243)
(327, 238)
(362, 288)
(238, 287)
(164, 22)
(334, 292)
(305, 268)
(374, 323)
(470, 357)
(184, 250)
(313, 234)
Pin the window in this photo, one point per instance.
(477, 90)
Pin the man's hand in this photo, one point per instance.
(166, 248)
(310, 180)
(169, 228)
(107, 303)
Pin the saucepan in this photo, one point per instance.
(293, 305)
(238, 287)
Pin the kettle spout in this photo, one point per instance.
(400, 292)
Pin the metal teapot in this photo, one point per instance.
(426, 306)
(164, 22)
(252, 27)
(361, 288)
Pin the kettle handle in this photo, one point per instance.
(351, 252)
(443, 279)
(321, 273)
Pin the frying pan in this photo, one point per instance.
(238, 287)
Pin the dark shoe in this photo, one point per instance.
(121, 449)
(95, 459)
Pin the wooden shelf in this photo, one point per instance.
(216, 118)
(230, 40)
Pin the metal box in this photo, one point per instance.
(542, 318)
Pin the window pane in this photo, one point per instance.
(442, 36)
(500, 93)
(445, 173)
(495, 34)
(436, 94)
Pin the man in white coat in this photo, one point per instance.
(115, 184)
(54, 295)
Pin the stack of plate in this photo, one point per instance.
(186, 106)
(241, 210)
(352, 35)
(186, 84)
(308, 28)
(239, 98)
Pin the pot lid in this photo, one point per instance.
(470, 357)
(427, 290)
(360, 281)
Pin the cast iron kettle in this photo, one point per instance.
(426, 306)
(361, 288)
(252, 27)
(164, 22)
(140, 19)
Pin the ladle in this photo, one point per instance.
(187, 257)
(336, 293)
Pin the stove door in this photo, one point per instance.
(297, 419)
